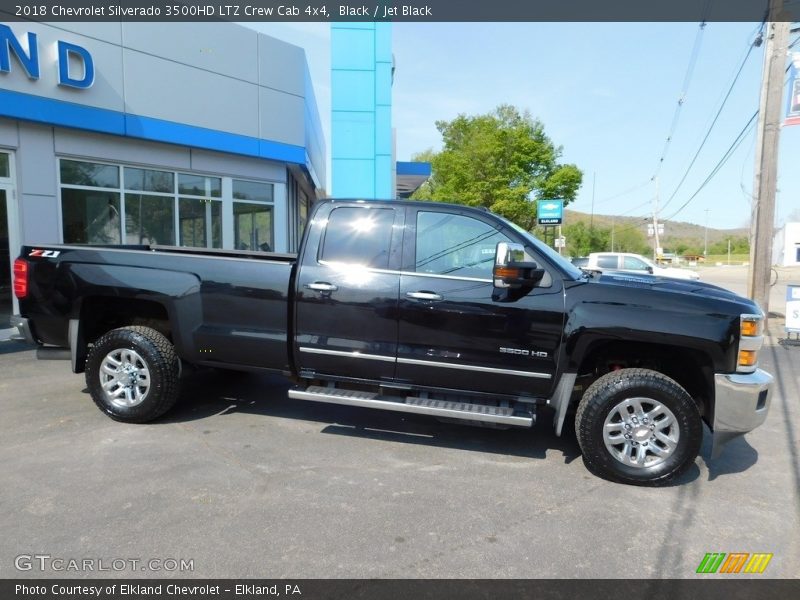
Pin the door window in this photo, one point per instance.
(607, 262)
(634, 264)
(358, 236)
(448, 244)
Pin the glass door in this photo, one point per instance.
(8, 239)
(6, 307)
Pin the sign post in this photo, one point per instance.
(550, 213)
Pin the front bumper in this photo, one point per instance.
(741, 404)
(24, 328)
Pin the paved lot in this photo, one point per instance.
(249, 484)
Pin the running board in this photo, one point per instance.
(422, 406)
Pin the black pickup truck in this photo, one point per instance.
(427, 308)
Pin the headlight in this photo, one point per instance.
(751, 339)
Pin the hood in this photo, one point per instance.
(670, 284)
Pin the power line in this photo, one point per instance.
(684, 90)
(728, 153)
(713, 123)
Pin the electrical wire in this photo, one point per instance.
(684, 89)
(711, 127)
(728, 153)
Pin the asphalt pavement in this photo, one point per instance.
(243, 482)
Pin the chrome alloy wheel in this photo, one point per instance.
(124, 378)
(641, 432)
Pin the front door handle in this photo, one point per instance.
(322, 286)
(423, 295)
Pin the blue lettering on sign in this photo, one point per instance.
(29, 59)
(9, 44)
(65, 50)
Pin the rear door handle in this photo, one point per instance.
(322, 286)
(422, 295)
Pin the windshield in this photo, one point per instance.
(567, 267)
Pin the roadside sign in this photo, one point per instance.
(549, 212)
(793, 308)
(561, 242)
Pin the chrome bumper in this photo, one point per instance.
(741, 404)
(23, 327)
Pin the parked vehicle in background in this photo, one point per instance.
(635, 263)
(580, 261)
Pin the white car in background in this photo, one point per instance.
(635, 263)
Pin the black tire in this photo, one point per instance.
(608, 395)
(155, 354)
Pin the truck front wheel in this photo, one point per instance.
(639, 427)
(132, 374)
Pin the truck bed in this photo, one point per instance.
(222, 307)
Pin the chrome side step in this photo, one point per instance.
(423, 406)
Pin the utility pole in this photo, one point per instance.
(705, 239)
(591, 218)
(766, 165)
(655, 224)
(613, 227)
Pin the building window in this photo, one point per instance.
(253, 224)
(5, 172)
(111, 204)
(150, 217)
(199, 217)
(90, 216)
(200, 223)
(302, 213)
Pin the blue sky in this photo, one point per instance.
(606, 93)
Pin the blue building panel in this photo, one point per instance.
(383, 84)
(383, 185)
(420, 169)
(355, 135)
(356, 90)
(353, 49)
(361, 99)
(383, 130)
(383, 42)
(356, 177)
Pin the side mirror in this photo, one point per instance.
(650, 270)
(511, 270)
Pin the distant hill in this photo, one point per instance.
(673, 230)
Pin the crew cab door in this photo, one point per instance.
(346, 292)
(452, 333)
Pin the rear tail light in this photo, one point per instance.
(20, 278)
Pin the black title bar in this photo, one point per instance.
(401, 10)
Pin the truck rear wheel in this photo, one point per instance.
(132, 374)
(639, 427)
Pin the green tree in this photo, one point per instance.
(582, 240)
(630, 239)
(500, 160)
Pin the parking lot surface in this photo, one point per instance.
(246, 483)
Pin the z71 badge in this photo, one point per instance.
(45, 253)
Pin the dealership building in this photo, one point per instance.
(202, 135)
